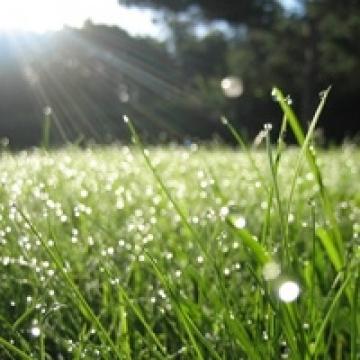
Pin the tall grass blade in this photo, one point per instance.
(46, 129)
(257, 250)
(311, 159)
(82, 304)
(15, 350)
(327, 317)
(355, 311)
(330, 248)
(246, 150)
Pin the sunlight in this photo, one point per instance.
(36, 15)
(46, 15)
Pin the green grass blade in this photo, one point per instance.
(246, 150)
(123, 328)
(311, 159)
(164, 188)
(256, 249)
(46, 130)
(84, 307)
(274, 169)
(330, 249)
(355, 318)
(327, 317)
(141, 317)
(13, 349)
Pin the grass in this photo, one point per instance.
(181, 253)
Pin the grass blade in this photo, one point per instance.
(84, 307)
(12, 348)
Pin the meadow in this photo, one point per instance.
(170, 252)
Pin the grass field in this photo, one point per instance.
(180, 253)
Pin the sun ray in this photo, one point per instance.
(48, 15)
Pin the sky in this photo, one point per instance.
(44, 15)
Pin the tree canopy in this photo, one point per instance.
(256, 12)
(302, 51)
(172, 88)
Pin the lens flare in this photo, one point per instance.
(232, 86)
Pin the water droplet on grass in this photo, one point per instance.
(224, 120)
(162, 293)
(291, 218)
(239, 222)
(200, 259)
(271, 271)
(268, 127)
(274, 94)
(35, 331)
(288, 291)
(47, 111)
(226, 271)
(265, 336)
(224, 211)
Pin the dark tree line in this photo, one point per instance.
(303, 52)
(90, 77)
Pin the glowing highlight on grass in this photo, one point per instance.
(289, 291)
(271, 271)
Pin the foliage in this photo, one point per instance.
(259, 12)
(126, 252)
(90, 77)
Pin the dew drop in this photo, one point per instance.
(288, 291)
(47, 111)
(291, 218)
(162, 294)
(271, 271)
(224, 211)
(226, 271)
(268, 127)
(35, 331)
(289, 100)
(240, 222)
(200, 259)
(274, 94)
(224, 120)
(322, 94)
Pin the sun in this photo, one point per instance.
(36, 15)
(47, 15)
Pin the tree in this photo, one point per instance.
(255, 12)
(303, 52)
